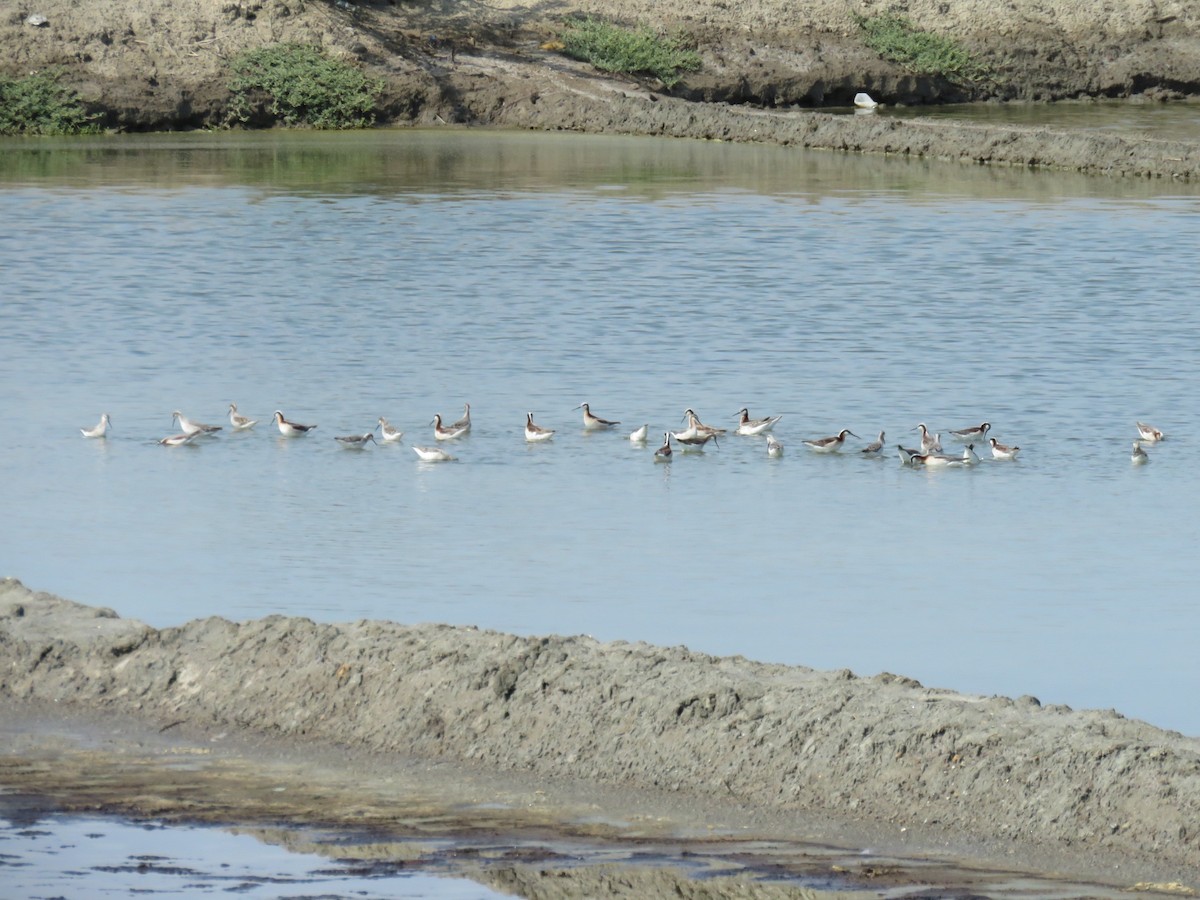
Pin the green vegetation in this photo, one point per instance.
(300, 85)
(895, 38)
(41, 104)
(636, 51)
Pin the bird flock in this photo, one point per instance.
(928, 452)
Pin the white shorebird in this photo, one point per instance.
(937, 460)
(976, 433)
(99, 430)
(193, 427)
(664, 453)
(774, 448)
(829, 444)
(535, 433)
(907, 454)
(592, 422)
(873, 448)
(639, 435)
(177, 440)
(930, 443)
(694, 424)
(356, 441)
(448, 432)
(969, 457)
(1002, 451)
(747, 425)
(464, 424)
(291, 429)
(238, 421)
(387, 432)
(863, 100)
(433, 454)
(1149, 433)
(1139, 455)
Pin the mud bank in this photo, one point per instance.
(992, 778)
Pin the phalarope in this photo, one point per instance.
(193, 427)
(930, 443)
(863, 100)
(873, 448)
(690, 440)
(291, 429)
(937, 460)
(177, 440)
(747, 425)
(907, 454)
(433, 454)
(1139, 455)
(969, 457)
(356, 441)
(534, 433)
(448, 432)
(464, 424)
(774, 448)
(387, 432)
(99, 430)
(829, 444)
(695, 424)
(664, 453)
(238, 421)
(976, 433)
(639, 436)
(1001, 451)
(592, 422)
(1149, 433)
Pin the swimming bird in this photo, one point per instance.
(664, 453)
(969, 457)
(592, 422)
(937, 460)
(747, 425)
(695, 424)
(829, 444)
(464, 424)
(177, 440)
(448, 432)
(291, 429)
(1002, 451)
(1139, 455)
(929, 443)
(193, 427)
(356, 441)
(774, 448)
(907, 454)
(690, 440)
(433, 454)
(976, 433)
(99, 430)
(639, 435)
(387, 432)
(873, 448)
(1149, 433)
(534, 433)
(240, 422)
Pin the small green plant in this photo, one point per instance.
(41, 104)
(297, 84)
(895, 38)
(637, 51)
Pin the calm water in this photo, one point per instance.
(340, 278)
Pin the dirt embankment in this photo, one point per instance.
(1089, 789)
(154, 64)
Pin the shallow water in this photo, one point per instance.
(344, 277)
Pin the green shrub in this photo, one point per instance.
(299, 85)
(41, 104)
(636, 51)
(895, 38)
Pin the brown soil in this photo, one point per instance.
(159, 65)
(672, 736)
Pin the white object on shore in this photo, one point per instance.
(864, 101)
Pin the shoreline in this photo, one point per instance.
(660, 734)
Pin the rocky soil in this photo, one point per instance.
(154, 64)
(993, 777)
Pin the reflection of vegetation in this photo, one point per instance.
(41, 104)
(629, 51)
(895, 38)
(298, 85)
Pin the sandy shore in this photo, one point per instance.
(633, 732)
